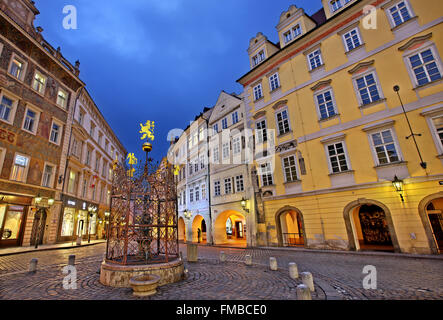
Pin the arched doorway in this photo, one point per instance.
(199, 230)
(181, 229)
(38, 227)
(370, 227)
(230, 229)
(431, 214)
(290, 227)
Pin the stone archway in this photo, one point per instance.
(230, 228)
(352, 209)
(423, 212)
(197, 223)
(290, 219)
(181, 229)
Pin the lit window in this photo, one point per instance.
(19, 170)
(5, 108)
(325, 104)
(274, 82)
(62, 98)
(385, 147)
(337, 157)
(282, 122)
(400, 13)
(315, 59)
(258, 94)
(47, 176)
(39, 82)
(16, 68)
(261, 132)
(290, 168)
(367, 89)
(424, 66)
(352, 39)
(55, 133)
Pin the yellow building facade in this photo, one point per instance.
(324, 109)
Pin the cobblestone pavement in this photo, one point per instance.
(337, 276)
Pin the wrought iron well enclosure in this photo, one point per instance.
(143, 226)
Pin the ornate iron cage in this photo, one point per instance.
(143, 226)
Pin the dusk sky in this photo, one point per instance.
(160, 60)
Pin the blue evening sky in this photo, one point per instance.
(161, 60)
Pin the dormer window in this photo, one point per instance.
(297, 31)
(259, 57)
(292, 34)
(288, 36)
(337, 4)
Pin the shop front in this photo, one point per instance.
(13, 215)
(78, 219)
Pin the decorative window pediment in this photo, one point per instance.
(363, 66)
(279, 104)
(415, 42)
(321, 85)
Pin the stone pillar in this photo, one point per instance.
(222, 256)
(33, 265)
(303, 292)
(293, 270)
(307, 279)
(71, 260)
(273, 264)
(248, 260)
(192, 252)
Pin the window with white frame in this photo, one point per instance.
(197, 193)
(337, 4)
(20, 168)
(290, 168)
(215, 128)
(337, 157)
(191, 195)
(191, 166)
(274, 81)
(367, 87)
(88, 157)
(84, 188)
(259, 57)
(202, 162)
(287, 36)
(184, 197)
(56, 132)
(2, 157)
(30, 122)
(39, 82)
(6, 108)
(216, 155)
(315, 59)
(81, 116)
(239, 183)
(225, 150)
(203, 192)
(228, 186)
(258, 93)
(225, 123)
(217, 190)
(97, 162)
(325, 104)
(235, 117)
(17, 68)
(297, 30)
(62, 98)
(352, 39)
(425, 67)
(400, 13)
(266, 174)
(282, 122)
(438, 123)
(201, 133)
(92, 129)
(385, 147)
(236, 145)
(196, 165)
(261, 132)
(48, 174)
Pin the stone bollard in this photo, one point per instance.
(79, 241)
(222, 256)
(307, 279)
(303, 292)
(33, 265)
(248, 260)
(192, 252)
(293, 270)
(71, 260)
(273, 264)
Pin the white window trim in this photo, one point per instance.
(60, 124)
(54, 173)
(215, 188)
(359, 38)
(26, 170)
(276, 121)
(344, 5)
(229, 151)
(309, 61)
(334, 103)
(396, 143)
(408, 54)
(42, 93)
(260, 175)
(230, 183)
(25, 67)
(239, 137)
(377, 82)
(37, 118)
(297, 169)
(243, 182)
(278, 80)
(67, 98)
(261, 90)
(389, 15)
(2, 157)
(433, 128)
(345, 148)
(15, 100)
(255, 129)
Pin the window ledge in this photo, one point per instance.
(284, 134)
(269, 186)
(404, 23)
(429, 84)
(298, 181)
(337, 115)
(259, 99)
(275, 90)
(374, 103)
(342, 172)
(392, 164)
(320, 67)
(355, 49)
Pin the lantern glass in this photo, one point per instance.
(398, 184)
